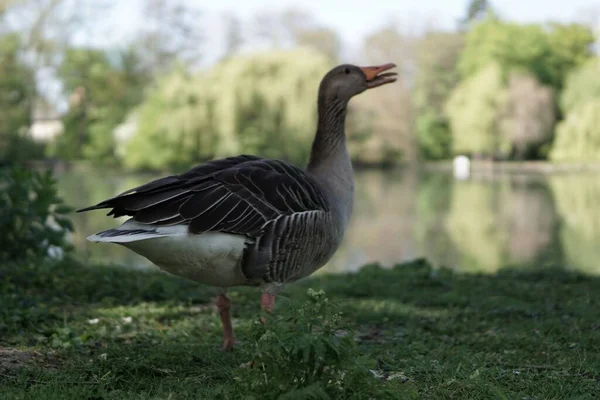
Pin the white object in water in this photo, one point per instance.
(462, 167)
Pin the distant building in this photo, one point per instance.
(124, 132)
(47, 123)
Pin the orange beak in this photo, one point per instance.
(374, 79)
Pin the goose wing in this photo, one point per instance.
(235, 195)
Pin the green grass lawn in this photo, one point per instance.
(68, 331)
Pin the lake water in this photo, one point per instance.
(484, 223)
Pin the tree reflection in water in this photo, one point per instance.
(478, 225)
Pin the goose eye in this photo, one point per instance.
(347, 70)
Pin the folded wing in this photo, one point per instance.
(235, 195)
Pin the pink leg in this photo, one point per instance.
(223, 306)
(267, 303)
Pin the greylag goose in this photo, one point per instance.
(248, 220)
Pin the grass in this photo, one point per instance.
(71, 332)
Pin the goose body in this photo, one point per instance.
(212, 258)
(236, 221)
(248, 220)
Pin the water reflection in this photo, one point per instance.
(480, 224)
(577, 203)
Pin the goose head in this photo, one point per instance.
(345, 81)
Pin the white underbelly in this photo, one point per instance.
(210, 258)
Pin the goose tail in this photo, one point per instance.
(132, 231)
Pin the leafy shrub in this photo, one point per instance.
(16, 147)
(33, 219)
(306, 352)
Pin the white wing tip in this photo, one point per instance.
(94, 238)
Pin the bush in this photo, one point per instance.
(16, 147)
(33, 219)
(308, 353)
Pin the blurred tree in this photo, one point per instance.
(174, 124)
(324, 40)
(17, 95)
(293, 27)
(172, 33)
(578, 136)
(281, 28)
(570, 47)
(390, 44)
(477, 9)
(548, 52)
(582, 85)
(262, 104)
(529, 117)
(474, 110)
(48, 27)
(437, 76)
(103, 87)
(233, 35)
(387, 113)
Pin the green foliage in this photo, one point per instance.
(548, 52)
(582, 85)
(174, 126)
(545, 54)
(311, 353)
(33, 218)
(103, 88)
(570, 46)
(437, 76)
(578, 136)
(434, 136)
(15, 148)
(474, 110)
(259, 104)
(17, 92)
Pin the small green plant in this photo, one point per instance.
(307, 352)
(33, 218)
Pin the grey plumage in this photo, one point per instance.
(291, 220)
(247, 220)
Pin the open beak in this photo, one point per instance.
(374, 79)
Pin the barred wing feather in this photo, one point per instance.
(235, 195)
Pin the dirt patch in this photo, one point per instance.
(14, 359)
